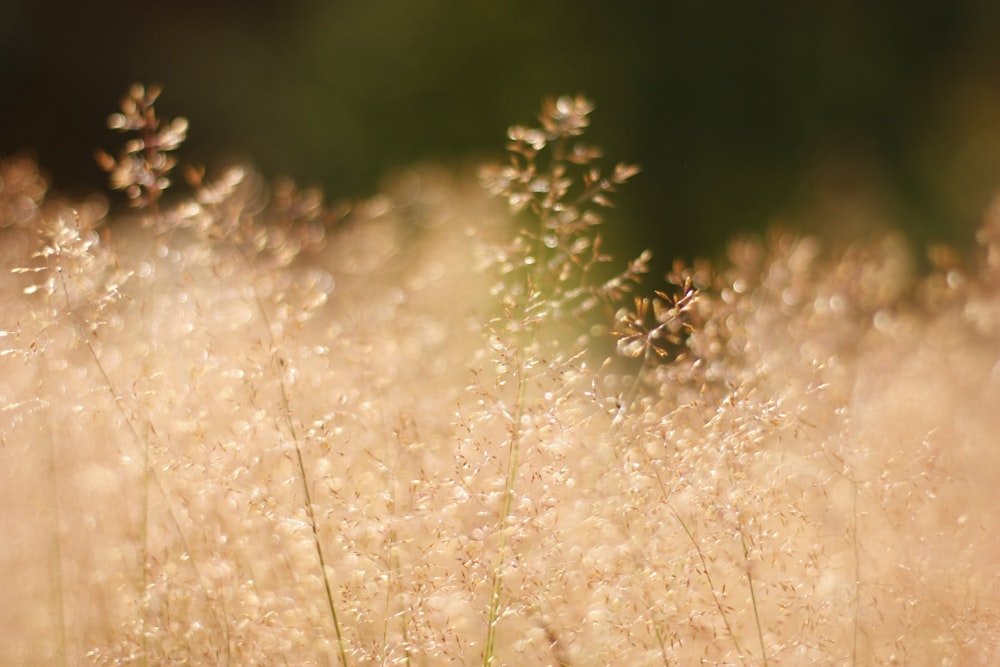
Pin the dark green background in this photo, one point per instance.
(824, 115)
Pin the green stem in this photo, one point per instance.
(310, 510)
(505, 513)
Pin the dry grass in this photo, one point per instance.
(791, 461)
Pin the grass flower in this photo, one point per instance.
(426, 429)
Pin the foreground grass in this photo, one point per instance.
(254, 430)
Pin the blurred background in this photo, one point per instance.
(832, 116)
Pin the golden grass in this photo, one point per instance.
(806, 475)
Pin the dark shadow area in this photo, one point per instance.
(836, 117)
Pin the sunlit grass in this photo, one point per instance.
(242, 427)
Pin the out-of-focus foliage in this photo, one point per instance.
(841, 114)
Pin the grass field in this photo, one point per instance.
(243, 427)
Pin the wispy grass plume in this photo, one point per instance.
(244, 426)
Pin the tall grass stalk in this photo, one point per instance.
(753, 597)
(503, 524)
(707, 571)
(279, 365)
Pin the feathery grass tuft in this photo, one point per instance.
(247, 427)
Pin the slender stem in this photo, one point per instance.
(711, 585)
(753, 599)
(293, 432)
(857, 575)
(626, 400)
(505, 513)
(663, 646)
(393, 562)
(148, 472)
